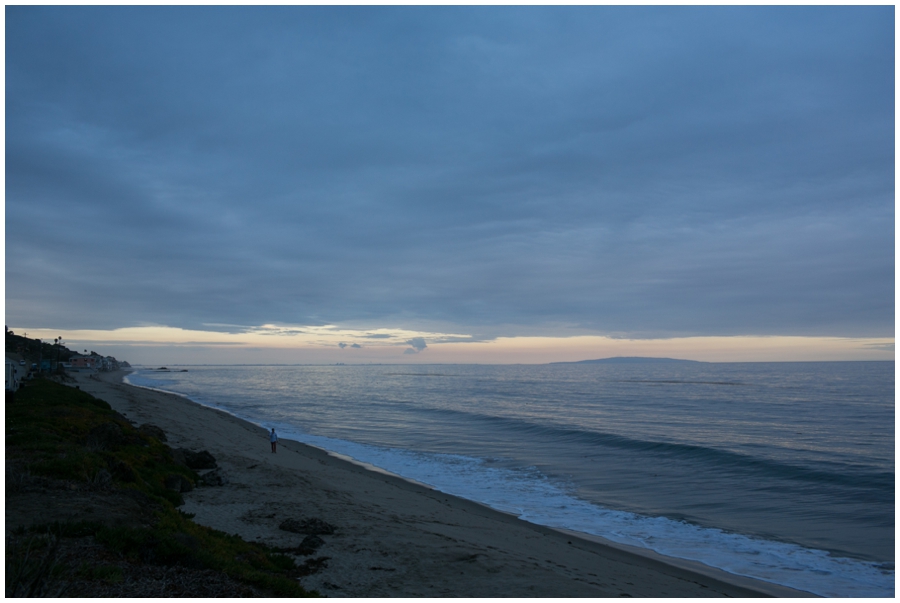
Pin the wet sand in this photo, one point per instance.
(395, 538)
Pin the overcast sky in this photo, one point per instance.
(637, 172)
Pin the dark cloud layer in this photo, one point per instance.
(629, 171)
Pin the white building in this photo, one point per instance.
(14, 374)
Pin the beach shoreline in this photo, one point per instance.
(395, 537)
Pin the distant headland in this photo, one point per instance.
(631, 360)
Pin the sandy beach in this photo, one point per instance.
(393, 537)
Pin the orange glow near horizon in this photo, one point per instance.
(298, 344)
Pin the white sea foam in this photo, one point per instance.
(534, 498)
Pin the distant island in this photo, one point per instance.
(631, 360)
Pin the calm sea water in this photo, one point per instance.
(777, 471)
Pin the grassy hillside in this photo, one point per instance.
(89, 510)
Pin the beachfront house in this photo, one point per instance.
(94, 362)
(84, 362)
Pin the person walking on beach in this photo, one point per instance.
(274, 439)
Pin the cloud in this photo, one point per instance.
(491, 171)
(410, 351)
(342, 345)
(356, 345)
(418, 343)
(886, 347)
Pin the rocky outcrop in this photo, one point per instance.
(193, 459)
(178, 483)
(312, 526)
(214, 478)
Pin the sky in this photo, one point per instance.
(451, 184)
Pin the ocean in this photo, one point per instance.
(782, 472)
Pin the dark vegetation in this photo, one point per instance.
(52, 356)
(34, 349)
(92, 511)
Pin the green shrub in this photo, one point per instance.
(31, 561)
(282, 562)
(106, 573)
(69, 529)
(154, 546)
